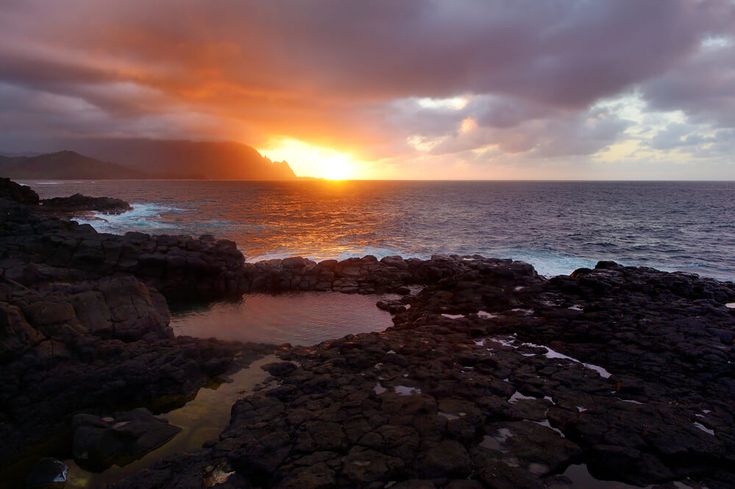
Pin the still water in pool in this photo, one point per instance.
(300, 319)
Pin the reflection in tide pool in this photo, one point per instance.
(201, 420)
(300, 319)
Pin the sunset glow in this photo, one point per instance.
(308, 160)
(566, 89)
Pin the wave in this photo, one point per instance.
(144, 217)
(31, 183)
(546, 263)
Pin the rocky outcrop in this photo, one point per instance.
(78, 203)
(369, 275)
(36, 248)
(95, 345)
(47, 473)
(492, 376)
(15, 192)
(495, 378)
(84, 327)
(117, 439)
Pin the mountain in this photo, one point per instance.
(186, 159)
(63, 165)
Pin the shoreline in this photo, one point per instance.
(557, 240)
(487, 348)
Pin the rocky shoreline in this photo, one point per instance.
(492, 376)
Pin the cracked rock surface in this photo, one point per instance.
(497, 378)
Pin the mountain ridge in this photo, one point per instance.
(147, 159)
(215, 160)
(65, 164)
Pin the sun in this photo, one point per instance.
(308, 160)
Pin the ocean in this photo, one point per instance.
(556, 226)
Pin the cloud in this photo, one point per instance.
(703, 87)
(353, 75)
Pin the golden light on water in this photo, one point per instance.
(308, 160)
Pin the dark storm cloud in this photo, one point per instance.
(704, 87)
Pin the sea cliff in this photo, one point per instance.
(492, 375)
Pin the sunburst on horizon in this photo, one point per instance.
(309, 160)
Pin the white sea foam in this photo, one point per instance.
(517, 396)
(403, 390)
(448, 416)
(550, 353)
(526, 312)
(144, 217)
(512, 342)
(704, 428)
(546, 424)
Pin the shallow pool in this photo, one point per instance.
(201, 420)
(303, 318)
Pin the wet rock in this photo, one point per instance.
(317, 476)
(21, 194)
(492, 373)
(447, 458)
(280, 369)
(47, 473)
(83, 203)
(415, 484)
(362, 466)
(118, 439)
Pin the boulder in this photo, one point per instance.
(85, 203)
(118, 439)
(47, 473)
(15, 192)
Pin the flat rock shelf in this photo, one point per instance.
(491, 376)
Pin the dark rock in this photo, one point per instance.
(118, 439)
(280, 369)
(47, 473)
(492, 373)
(84, 203)
(15, 192)
(447, 458)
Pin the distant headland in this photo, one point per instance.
(147, 159)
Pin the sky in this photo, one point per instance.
(408, 89)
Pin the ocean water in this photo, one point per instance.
(556, 226)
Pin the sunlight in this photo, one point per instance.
(309, 160)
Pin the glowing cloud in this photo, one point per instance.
(452, 103)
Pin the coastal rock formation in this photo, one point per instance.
(47, 473)
(37, 248)
(84, 203)
(94, 345)
(101, 441)
(368, 275)
(80, 333)
(499, 379)
(15, 192)
(491, 377)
